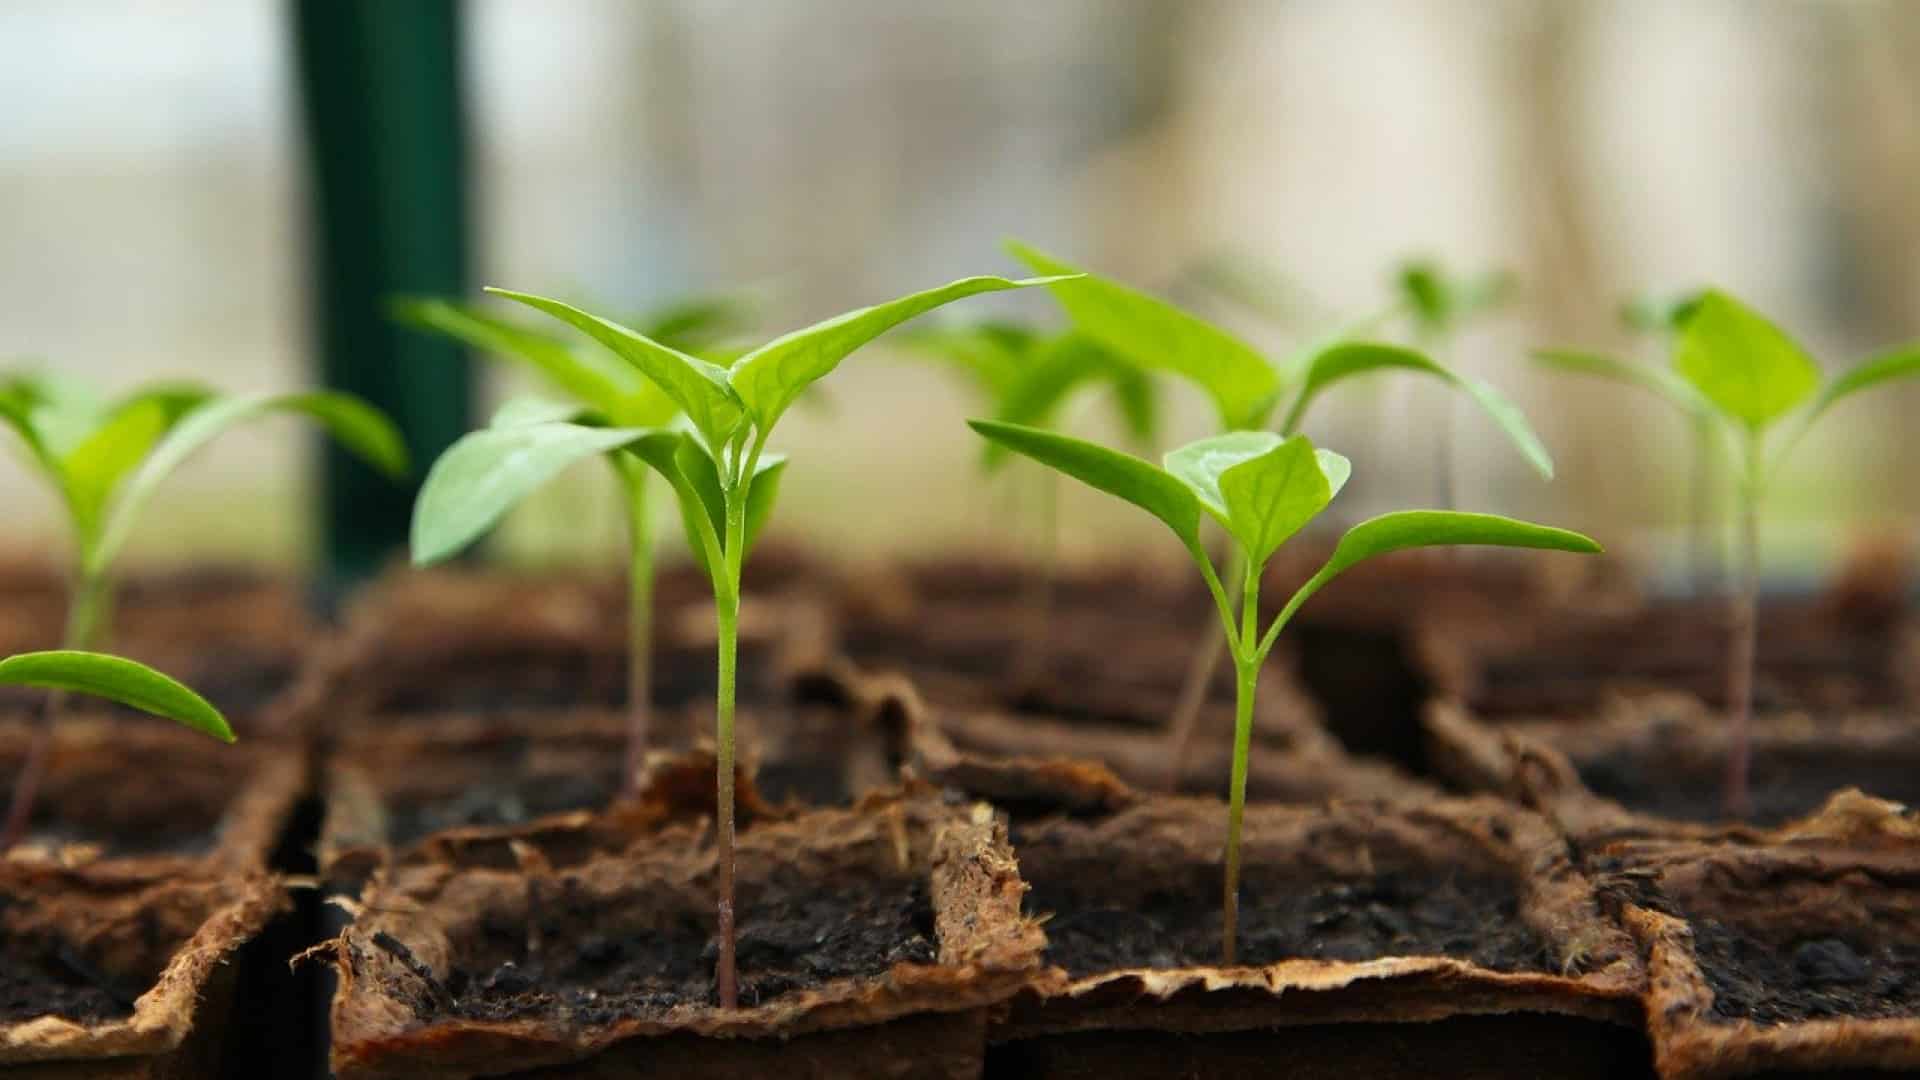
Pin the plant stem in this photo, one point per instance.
(1199, 680)
(86, 613)
(1700, 555)
(1247, 671)
(633, 484)
(1742, 649)
(728, 610)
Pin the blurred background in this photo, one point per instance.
(224, 188)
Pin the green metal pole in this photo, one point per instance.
(386, 147)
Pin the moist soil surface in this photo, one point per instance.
(559, 677)
(1815, 978)
(797, 938)
(162, 834)
(40, 977)
(500, 802)
(1780, 791)
(1467, 918)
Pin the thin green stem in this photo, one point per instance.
(1744, 641)
(727, 608)
(633, 482)
(1247, 680)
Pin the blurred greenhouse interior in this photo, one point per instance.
(1268, 162)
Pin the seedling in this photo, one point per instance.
(1439, 304)
(105, 460)
(1262, 488)
(1747, 375)
(1247, 390)
(608, 392)
(1026, 376)
(716, 461)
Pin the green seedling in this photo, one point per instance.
(608, 392)
(1248, 391)
(1662, 316)
(1262, 488)
(72, 671)
(1732, 365)
(105, 459)
(715, 459)
(1439, 304)
(1027, 376)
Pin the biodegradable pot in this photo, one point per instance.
(1794, 954)
(1654, 765)
(872, 943)
(424, 644)
(124, 976)
(154, 795)
(1416, 918)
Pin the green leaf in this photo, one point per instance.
(115, 679)
(1137, 397)
(487, 472)
(353, 423)
(1439, 301)
(990, 355)
(701, 494)
(1662, 381)
(1052, 371)
(698, 387)
(1123, 475)
(1347, 360)
(1899, 363)
(16, 412)
(1746, 366)
(605, 383)
(1659, 314)
(770, 377)
(1271, 497)
(1157, 336)
(694, 325)
(527, 409)
(1199, 464)
(94, 469)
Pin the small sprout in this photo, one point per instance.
(135, 685)
(1262, 489)
(1248, 389)
(106, 459)
(1742, 375)
(716, 463)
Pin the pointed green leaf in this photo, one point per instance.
(527, 409)
(1050, 373)
(1153, 334)
(361, 428)
(16, 412)
(602, 382)
(1662, 381)
(1748, 367)
(1350, 359)
(115, 679)
(1271, 497)
(701, 493)
(1897, 364)
(95, 468)
(698, 387)
(1440, 301)
(1199, 464)
(770, 377)
(1123, 475)
(487, 472)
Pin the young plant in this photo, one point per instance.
(1261, 488)
(105, 460)
(1747, 375)
(612, 393)
(1440, 303)
(715, 460)
(1247, 391)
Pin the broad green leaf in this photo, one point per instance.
(1662, 381)
(605, 383)
(95, 468)
(1897, 364)
(698, 387)
(527, 409)
(353, 423)
(1199, 464)
(1748, 367)
(1271, 497)
(1153, 334)
(701, 493)
(487, 472)
(115, 679)
(1347, 360)
(770, 377)
(1123, 475)
(16, 412)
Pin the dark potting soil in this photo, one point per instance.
(502, 802)
(1780, 790)
(563, 678)
(1468, 918)
(797, 938)
(131, 835)
(1815, 978)
(40, 977)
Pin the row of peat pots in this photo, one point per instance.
(1483, 839)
